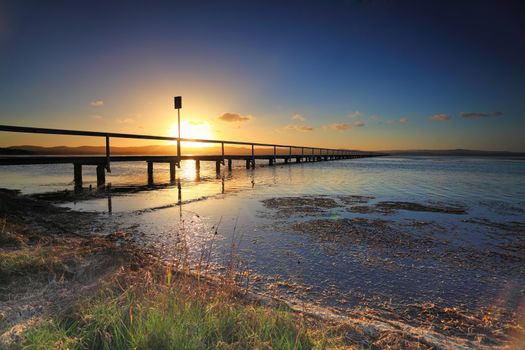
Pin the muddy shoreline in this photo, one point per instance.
(409, 247)
(427, 325)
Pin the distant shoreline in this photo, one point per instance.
(171, 149)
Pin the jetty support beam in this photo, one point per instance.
(77, 175)
(101, 175)
(173, 165)
(150, 173)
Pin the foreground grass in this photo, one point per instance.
(179, 316)
(21, 262)
(99, 295)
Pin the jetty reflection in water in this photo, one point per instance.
(178, 184)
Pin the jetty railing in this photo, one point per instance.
(308, 153)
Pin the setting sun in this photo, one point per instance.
(193, 130)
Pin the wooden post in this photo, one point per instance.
(274, 152)
(172, 171)
(270, 162)
(218, 167)
(222, 145)
(101, 175)
(77, 175)
(108, 165)
(178, 138)
(248, 164)
(179, 192)
(197, 165)
(229, 165)
(150, 173)
(110, 206)
(286, 160)
(253, 156)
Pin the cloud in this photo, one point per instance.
(338, 126)
(440, 117)
(474, 115)
(96, 103)
(125, 121)
(235, 118)
(298, 117)
(402, 120)
(300, 128)
(355, 114)
(359, 123)
(96, 116)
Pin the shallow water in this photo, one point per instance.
(347, 254)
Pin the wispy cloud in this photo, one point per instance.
(298, 117)
(402, 120)
(125, 121)
(440, 117)
(359, 123)
(474, 115)
(300, 128)
(96, 103)
(355, 114)
(338, 126)
(235, 117)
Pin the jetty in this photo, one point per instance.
(281, 154)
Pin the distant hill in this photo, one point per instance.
(15, 151)
(456, 152)
(237, 150)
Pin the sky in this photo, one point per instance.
(370, 75)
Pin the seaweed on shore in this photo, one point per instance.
(306, 205)
(388, 207)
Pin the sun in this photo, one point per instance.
(193, 129)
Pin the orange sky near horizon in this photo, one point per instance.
(153, 114)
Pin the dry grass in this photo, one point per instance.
(71, 292)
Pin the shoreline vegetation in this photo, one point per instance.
(66, 286)
(65, 290)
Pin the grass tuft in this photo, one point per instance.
(171, 319)
(22, 262)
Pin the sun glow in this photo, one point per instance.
(200, 130)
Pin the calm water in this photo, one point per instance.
(466, 260)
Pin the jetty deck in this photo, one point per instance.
(284, 154)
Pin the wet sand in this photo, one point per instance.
(391, 250)
(387, 250)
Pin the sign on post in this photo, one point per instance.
(178, 102)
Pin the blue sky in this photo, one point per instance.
(360, 74)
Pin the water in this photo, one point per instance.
(471, 260)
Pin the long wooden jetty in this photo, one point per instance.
(292, 153)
